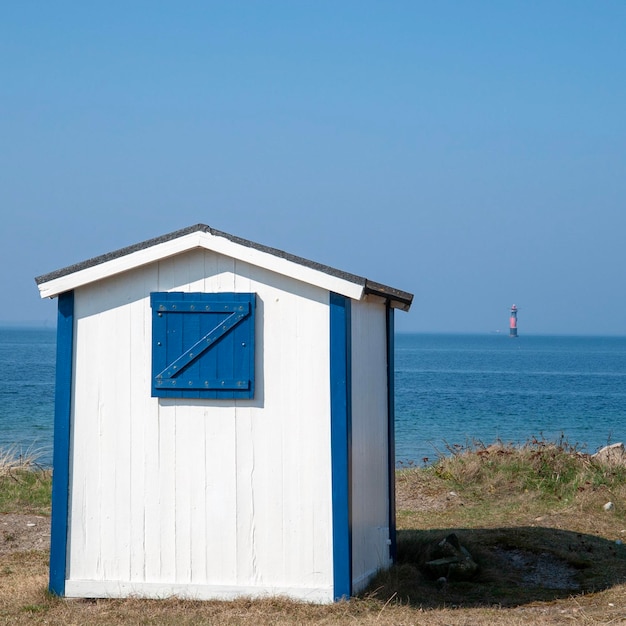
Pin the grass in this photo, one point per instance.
(542, 502)
(25, 487)
(552, 471)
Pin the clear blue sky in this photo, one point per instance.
(473, 153)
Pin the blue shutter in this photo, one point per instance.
(202, 345)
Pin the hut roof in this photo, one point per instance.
(205, 237)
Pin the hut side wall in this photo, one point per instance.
(370, 463)
(201, 498)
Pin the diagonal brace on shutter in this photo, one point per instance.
(240, 311)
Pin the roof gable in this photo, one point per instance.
(205, 237)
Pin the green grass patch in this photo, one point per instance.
(25, 487)
(549, 471)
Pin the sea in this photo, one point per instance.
(452, 391)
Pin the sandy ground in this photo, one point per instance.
(20, 533)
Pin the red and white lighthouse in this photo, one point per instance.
(513, 322)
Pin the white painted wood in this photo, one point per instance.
(370, 503)
(101, 429)
(143, 434)
(159, 591)
(200, 494)
(280, 265)
(209, 242)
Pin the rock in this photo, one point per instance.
(609, 506)
(614, 454)
(452, 560)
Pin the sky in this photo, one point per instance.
(471, 153)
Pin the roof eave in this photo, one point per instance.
(397, 299)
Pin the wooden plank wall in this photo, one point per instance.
(370, 486)
(200, 498)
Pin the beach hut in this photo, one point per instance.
(223, 423)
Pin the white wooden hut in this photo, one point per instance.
(223, 423)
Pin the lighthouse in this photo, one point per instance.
(513, 322)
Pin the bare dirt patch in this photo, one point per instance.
(539, 570)
(23, 532)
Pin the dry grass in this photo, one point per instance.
(14, 459)
(487, 495)
(23, 601)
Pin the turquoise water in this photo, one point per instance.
(460, 388)
(27, 390)
(449, 388)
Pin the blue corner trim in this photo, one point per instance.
(340, 433)
(61, 454)
(391, 431)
